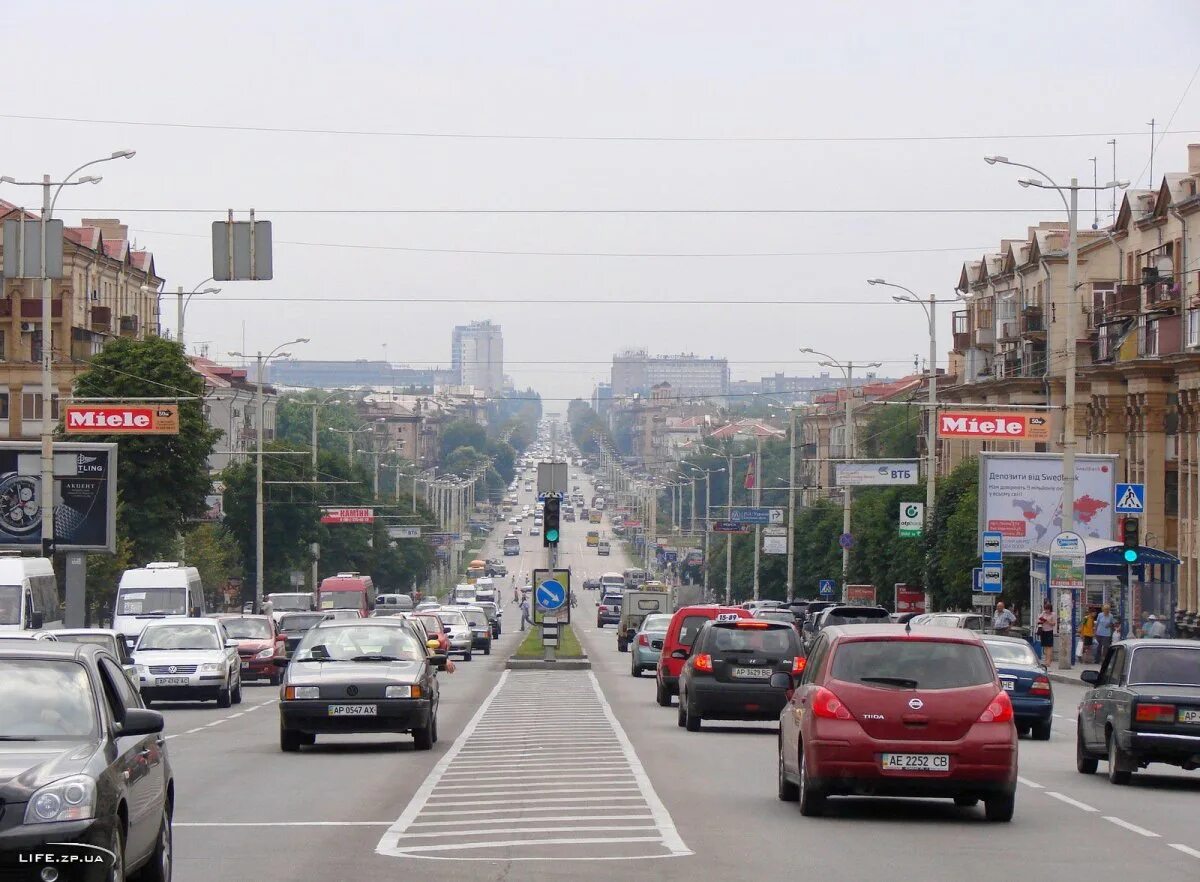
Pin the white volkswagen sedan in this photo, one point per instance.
(188, 660)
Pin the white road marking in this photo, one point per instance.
(1186, 849)
(527, 809)
(217, 722)
(507, 843)
(193, 731)
(1133, 828)
(1082, 806)
(281, 823)
(623, 828)
(540, 822)
(1029, 783)
(514, 801)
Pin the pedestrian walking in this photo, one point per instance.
(1155, 628)
(1087, 633)
(1104, 632)
(1002, 619)
(525, 613)
(1047, 624)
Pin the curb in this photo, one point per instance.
(540, 664)
(1071, 678)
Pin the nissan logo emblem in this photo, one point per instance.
(352, 690)
(172, 669)
(916, 703)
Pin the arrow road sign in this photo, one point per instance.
(1131, 499)
(551, 595)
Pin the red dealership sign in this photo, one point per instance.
(122, 419)
(909, 598)
(347, 516)
(985, 425)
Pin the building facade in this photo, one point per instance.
(357, 374)
(634, 372)
(477, 356)
(231, 405)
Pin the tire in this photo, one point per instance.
(811, 799)
(1022, 730)
(237, 693)
(224, 698)
(116, 845)
(1041, 730)
(662, 695)
(434, 732)
(693, 719)
(276, 678)
(681, 715)
(1119, 771)
(466, 656)
(487, 650)
(635, 670)
(161, 862)
(1000, 808)
(423, 738)
(622, 645)
(1085, 764)
(788, 792)
(289, 740)
(966, 801)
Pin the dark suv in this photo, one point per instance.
(843, 614)
(727, 675)
(609, 610)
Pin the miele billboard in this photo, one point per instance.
(993, 425)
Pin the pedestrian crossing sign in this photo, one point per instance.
(1131, 499)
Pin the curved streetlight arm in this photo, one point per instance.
(118, 154)
(1004, 160)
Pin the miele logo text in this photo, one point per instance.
(122, 419)
(1014, 426)
(139, 418)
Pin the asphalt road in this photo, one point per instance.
(579, 775)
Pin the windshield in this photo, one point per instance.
(366, 642)
(342, 600)
(179, 637)
(298, 622)
(656, 622)
(45, 700)
(144, 601)
(915, 664)
(451, 617)
(1165, 665)
(775, 615)
(247, 629)
(290, 601)
(856, 617)
(1003, 651)
(104, 640)
(10, 604)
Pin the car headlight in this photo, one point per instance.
(142, 670)
(211, 667)
(402, 692)
(269, 652)
(71, 799)
(292, 692)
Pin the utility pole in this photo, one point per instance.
(729, 537)
(847, 494)
(791, 547)
(707, 515)
(757, 502)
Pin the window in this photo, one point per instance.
(926, 663)
(3, 356)
(31, 406)
(1165, 666)
(120, 694)
(3, 405)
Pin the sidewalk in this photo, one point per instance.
(1071, 676)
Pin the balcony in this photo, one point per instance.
(32, 309)
(1033, 323)
(1007, 364)
(85, 344)
(5, 308)
(1162, 295)
(1033, 362)
(102, 319)
(1159, 336)
(1122, 303)
(1009, 330)
(128, 325)
(985, 336)
(962, 337)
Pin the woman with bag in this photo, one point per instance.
(1047, 624)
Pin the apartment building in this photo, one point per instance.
(477, 356)
(109, 289)
(635, 372)
(231, 405)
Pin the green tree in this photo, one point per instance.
(216, 554)
(161, 479)
(336, 410)
(891, 431)
(461, 433)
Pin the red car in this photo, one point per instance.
(677, 644)
(437, 631)
(888, 710)
(259, 643)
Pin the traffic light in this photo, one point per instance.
(1129, 534)
(550, 515)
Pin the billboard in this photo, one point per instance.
(863, 594)
(85, 496)
(347, 516)
(121, 419)
(1020, 497)
(992, 425)
(909, 598)
(875, 474)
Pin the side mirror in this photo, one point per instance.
(280, 662)
(37, 620)
(679, 653)
(1092, 677)
(140, 721)
(438, 660)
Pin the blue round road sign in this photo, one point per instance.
(551, 595)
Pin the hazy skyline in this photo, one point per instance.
(913, 98)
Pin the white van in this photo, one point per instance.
(29, 599)
(463, 593)
(613, 583)
(160, 590)
(485, 589)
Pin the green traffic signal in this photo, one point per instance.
(1131, 555)
(552, 535)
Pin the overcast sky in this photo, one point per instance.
(807, 71)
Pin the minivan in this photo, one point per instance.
(159, 590)
(391, 604)
(602, 548)
(29, 599)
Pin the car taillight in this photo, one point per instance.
(642, 640)
(1155, 713)
(798, 664)
(603, 608)
(829, 706)
(704, 663)
(999, 711)
(1041, 686)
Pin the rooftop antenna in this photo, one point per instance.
(1151, 179)
(1095, 196)
(1113, 142)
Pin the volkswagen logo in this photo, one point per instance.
(916, 703)
(172, 669)
(352, 690)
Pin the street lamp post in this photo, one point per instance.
(181, 305)
(259, 499)
(47, 354)
(1071, 204)
(848, 369)
(708, 473)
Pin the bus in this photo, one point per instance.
(512, 546)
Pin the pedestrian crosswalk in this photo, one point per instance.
(543, 771)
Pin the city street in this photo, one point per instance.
(541, 775)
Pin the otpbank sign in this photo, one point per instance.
(122, 419)
(986, 425)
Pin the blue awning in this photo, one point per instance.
(1106, 552)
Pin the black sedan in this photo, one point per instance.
(370, 675)
(83, 767)
(294, 625)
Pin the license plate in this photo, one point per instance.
(752, 673)
(353, 710)
(916, 762)
(1009, 685)
(171, 681)
(245, 666)
(1189, 715)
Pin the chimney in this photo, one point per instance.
(109, 227)
(1194, 159)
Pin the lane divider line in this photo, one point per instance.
(1028, 783)
(1133, 828)
(1062, 797)
(1186, 849)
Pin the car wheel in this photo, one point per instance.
(289, 740)
(691, 716)
(811, 799)
(487, 650)
(1041, 731)
(1119, 771)
(681, 714)
(158, 869)
(116, 846)
(635, 670)
(788, 792)
(435, 731)
(237, 693)
(224, 698)
(1022, 730)
(466, 656)
(1085, 763)
(423, 738)
(662, 695)
(966, 801)
(1000, 808)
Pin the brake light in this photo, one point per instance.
(828, 706)
(798, 664)
(1041, 686)
(1155, 713)
(704, 663)
(603, 608)
(750, 623)
(642, 641)
(999, 711)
